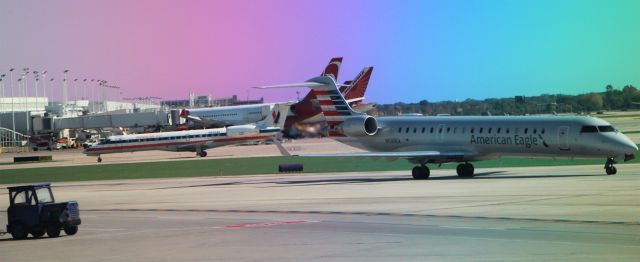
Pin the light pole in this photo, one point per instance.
(92, 98)
(2, 87)
(64, 88)
(75, 92)
(13, 112)
(84, 90)
(44, 87)
(50, 88)
(35, 75)
(2, 104)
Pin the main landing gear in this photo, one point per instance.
(99, 159)
(420, 172)
(609, 168)
(202, 153)
(465, 170)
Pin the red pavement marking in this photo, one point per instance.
(268, 224)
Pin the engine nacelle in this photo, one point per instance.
(360, 126)
(242, 130)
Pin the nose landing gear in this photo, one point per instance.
(609, 168)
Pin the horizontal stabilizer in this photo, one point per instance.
(297, 85)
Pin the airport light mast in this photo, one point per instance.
(26, 98)
(36, 86)
(13, 112)
(2, 91)
(64, 88)
(75, 92)
(84, 90)
(44, 86)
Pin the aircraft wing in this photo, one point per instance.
(413, 156)
(296, 85)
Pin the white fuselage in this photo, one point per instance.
(192, 140)
(234, 115)
(484, 137)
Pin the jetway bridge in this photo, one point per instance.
(128, 120)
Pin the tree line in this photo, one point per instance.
(611, 99)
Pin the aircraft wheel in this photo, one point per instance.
(19, 231)
(609, 168)
(203, 154)
(99, 159)
(465, 170)
(70, 230)
(53, 230)
(420, 172)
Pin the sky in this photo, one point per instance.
(433, 50)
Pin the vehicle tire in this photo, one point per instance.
(460, 170)
(612, 170)
(425, 171)
(419, 172)
(70, 230)
(53, 230)
(37, 232)
(415, 172)
(469, 170)
(19, 231)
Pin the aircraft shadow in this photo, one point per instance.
(483, 175)
(359, 180)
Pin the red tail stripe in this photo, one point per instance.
(321, 93)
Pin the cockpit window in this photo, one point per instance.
(589, 129)
(606, 129)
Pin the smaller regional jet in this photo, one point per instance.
(194, 140)
(305, 111)
(463, 139)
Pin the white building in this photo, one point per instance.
(36, 104)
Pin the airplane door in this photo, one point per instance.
(563, 138)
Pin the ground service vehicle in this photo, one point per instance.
(33, 210)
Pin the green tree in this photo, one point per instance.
(591, 101)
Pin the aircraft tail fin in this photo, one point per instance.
(332, 103)
(333, 68)
(357, 87)
(277, 116)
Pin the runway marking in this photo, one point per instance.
(267, 224)
(311, 212)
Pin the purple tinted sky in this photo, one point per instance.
(420, 50)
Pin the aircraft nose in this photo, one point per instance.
(627, 148)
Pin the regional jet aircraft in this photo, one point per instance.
(194, 140)
(304, 111)
(463, 139)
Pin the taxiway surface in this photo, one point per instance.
(532, 214)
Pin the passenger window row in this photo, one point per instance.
(219, 115)
(481, 130)
(161, 138)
